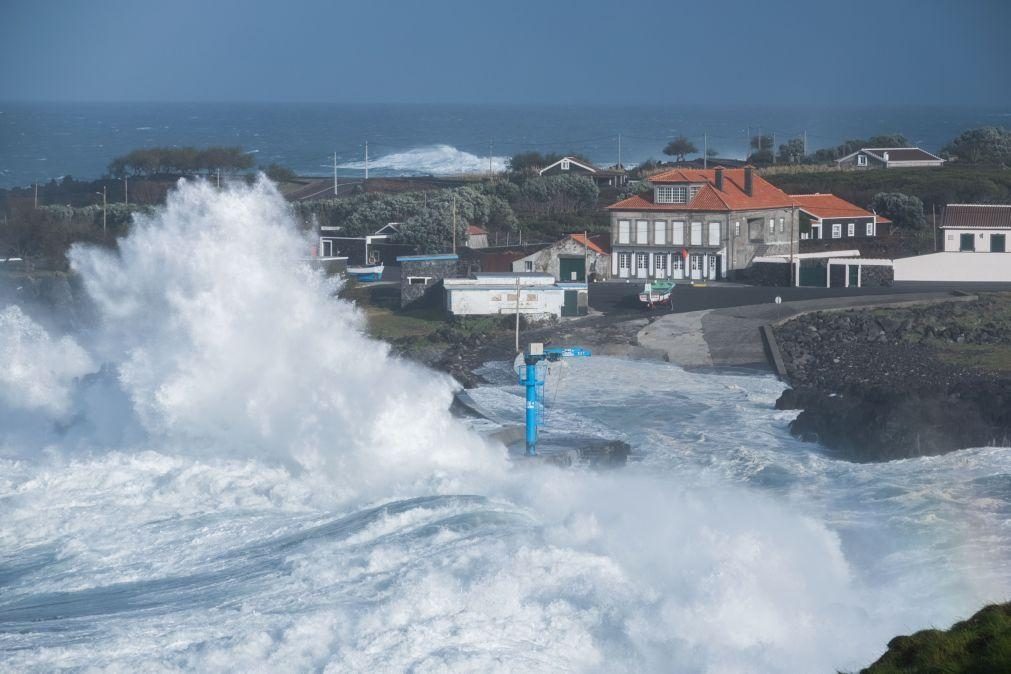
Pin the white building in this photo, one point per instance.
(534, 295)
(976, 243)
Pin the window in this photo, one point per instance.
(660, 263)
(837, 231)
(624, 260)
(714, 233)
(966, 243)
(696, 233)
(641, 231)
(623, 233)
(696, 262)
(660, 232)
(528, 265)
(851, 229)
(693, 190)
(997, 243)
(861, 160)
(677, 234)
(772, 225)
(565, 164)
(642, 260)
(677, 262)
(326, 247)
(737, 228)
(782, 225)
(870, 229)
(671, 194)
(418, 280)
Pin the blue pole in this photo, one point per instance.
(531, 382)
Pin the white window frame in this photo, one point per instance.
(660, 232)
(870, 229)
(625, 234)
(696, 239)
(696, 261)
(737, 227)
(837, 230)
(677, 263)
(772, 225)
(642, 232)
(660, 262)
(671, 194)
(624, 260)
(677, 235)
(861, 160)
(565, 164)
(528, 265)
(714, 234)
(693, 190)
(851, 229)
(418, 280)
(644, 258)
(782, 225)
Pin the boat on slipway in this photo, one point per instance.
(657, 293)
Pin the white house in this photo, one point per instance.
(977, 240)
(890, 157)
(534, 295)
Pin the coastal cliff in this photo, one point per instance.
(882, 384)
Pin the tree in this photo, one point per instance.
(712, 153)
(279, 174)
(988, 144)
(761, 158)
(886, 140)
(679, 147)
(792, 151)
(903, 210)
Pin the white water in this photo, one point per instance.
(438, 160)
(247, 483)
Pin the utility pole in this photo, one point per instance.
(805, 142)
(218, 173)
(491, 146)
(586, 252)
(933, 219)
(335, 174)
(103, 193)
(454, 224)
(517, 315)
(705, 150)
(366, 161)
(126, 191)
(36, 195)
(619, 151)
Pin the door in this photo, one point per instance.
(967, 243)
(624, 265)
(642, 265)
(854, 275)
(677, 266)
(997, 243)
(571, 305)
(571, 269)
(713, 266)
(696, 266)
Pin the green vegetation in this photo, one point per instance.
(979, 645)
(903, 210)
(679, 147)
(180, 161)
(279, 174)
(985, 145)
(532, 162)
(540, 207)
(933, 186)
(847, 147)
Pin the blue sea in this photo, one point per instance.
(43, 141)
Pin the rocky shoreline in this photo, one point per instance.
(883, 384)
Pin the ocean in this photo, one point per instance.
(223, 473)
(43, 141)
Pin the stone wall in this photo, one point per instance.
(876, 276)
(764, 274)
(418, 294)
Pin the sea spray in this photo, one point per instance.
(295, 498)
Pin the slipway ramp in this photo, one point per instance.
(958, 267)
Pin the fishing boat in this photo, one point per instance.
(658, 293)
(367, 273)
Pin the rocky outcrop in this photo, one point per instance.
(876, 385)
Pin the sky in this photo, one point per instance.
(768, 52)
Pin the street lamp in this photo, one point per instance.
(103, 193)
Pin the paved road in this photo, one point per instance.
(615, 298)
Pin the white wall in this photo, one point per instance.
(994, 267)
(485, 301)
(953, 237)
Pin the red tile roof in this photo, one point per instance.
(731, 198)
(582, 240)
(475, 230)
(831, 206)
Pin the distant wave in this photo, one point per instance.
(432, 159)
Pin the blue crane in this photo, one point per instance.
(531, 376)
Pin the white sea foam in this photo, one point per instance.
(436, 160)
(294, 498)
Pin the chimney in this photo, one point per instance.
(748, 180)
(719, 178)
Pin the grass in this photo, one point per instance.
(990, 357)
(386, 320)
(979, 645)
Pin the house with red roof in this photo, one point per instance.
(572, 259)
(477, 237)
(828, 217)
(701, 224)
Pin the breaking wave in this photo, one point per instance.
(438, 160)
(233, 476)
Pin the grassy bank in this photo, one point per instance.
(979, 645)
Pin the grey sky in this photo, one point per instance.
(600, 51)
